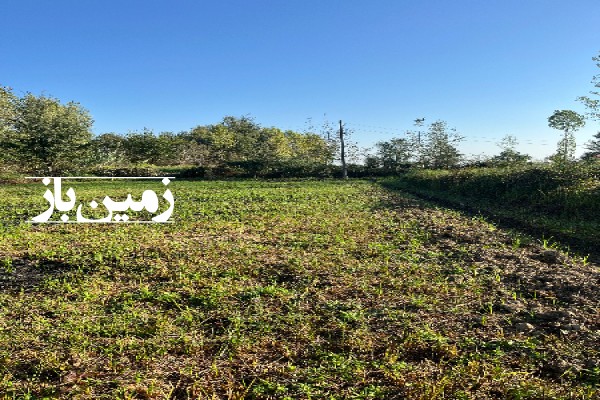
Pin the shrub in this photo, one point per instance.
(127, 170)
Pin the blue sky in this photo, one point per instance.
(487, 67)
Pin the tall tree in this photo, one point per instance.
(567, 121)
(246, 134)
(439, 147)
(592, 103)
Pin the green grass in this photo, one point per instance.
(561, 204)
(292, 289)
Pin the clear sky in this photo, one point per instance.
(487, 67)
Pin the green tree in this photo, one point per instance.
(246, 137)
(200, 150)
(51, 137)
(439, 146)
(142, 147)
(271, 145)
(593, 147)
(567, 121)
(108, 148)
(171, 148)
(8, 134)
(192, 152)
(233, 139)
(509, 154)
(242, 140)
(592, 102)
(393, 153)
(309, 148)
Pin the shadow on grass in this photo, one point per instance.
(25, 275)
(582, 246)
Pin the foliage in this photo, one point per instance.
(563, 201)
(509, 154)
(244, 140)
(142, 147)
(41, 134)
(432, 148)
(439, 146)
(567, 121)
(107, 148)
(8, 116)
(508, 157)
(48, 136)
(592, 102)
(393, 154)
(126, 170)
(593, 147)
(280, 169)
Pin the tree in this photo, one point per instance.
(593, 104)
(567, 121)
(593, 111)
(308, 147)
(108, 148)
(372, 162)
(171, 148)
(246, 134)
(271, 145)
(593, 147)
(142, 147)
(8, 114)
(51, 137)
(194, 152)
(393, 153)
(246, 144)
(439, 146)
(509, 154)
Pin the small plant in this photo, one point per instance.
(549, 244)
(6, 264)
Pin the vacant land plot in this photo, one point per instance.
(290, 289)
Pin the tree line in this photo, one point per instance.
(40, 134)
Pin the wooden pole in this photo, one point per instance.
(343, 152)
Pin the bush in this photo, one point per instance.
(127, 170)
(540, 188)
(282, 169)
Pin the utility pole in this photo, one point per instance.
(343, 152)
(419, 123)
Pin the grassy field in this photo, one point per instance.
(293, 289)
(538, 198)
